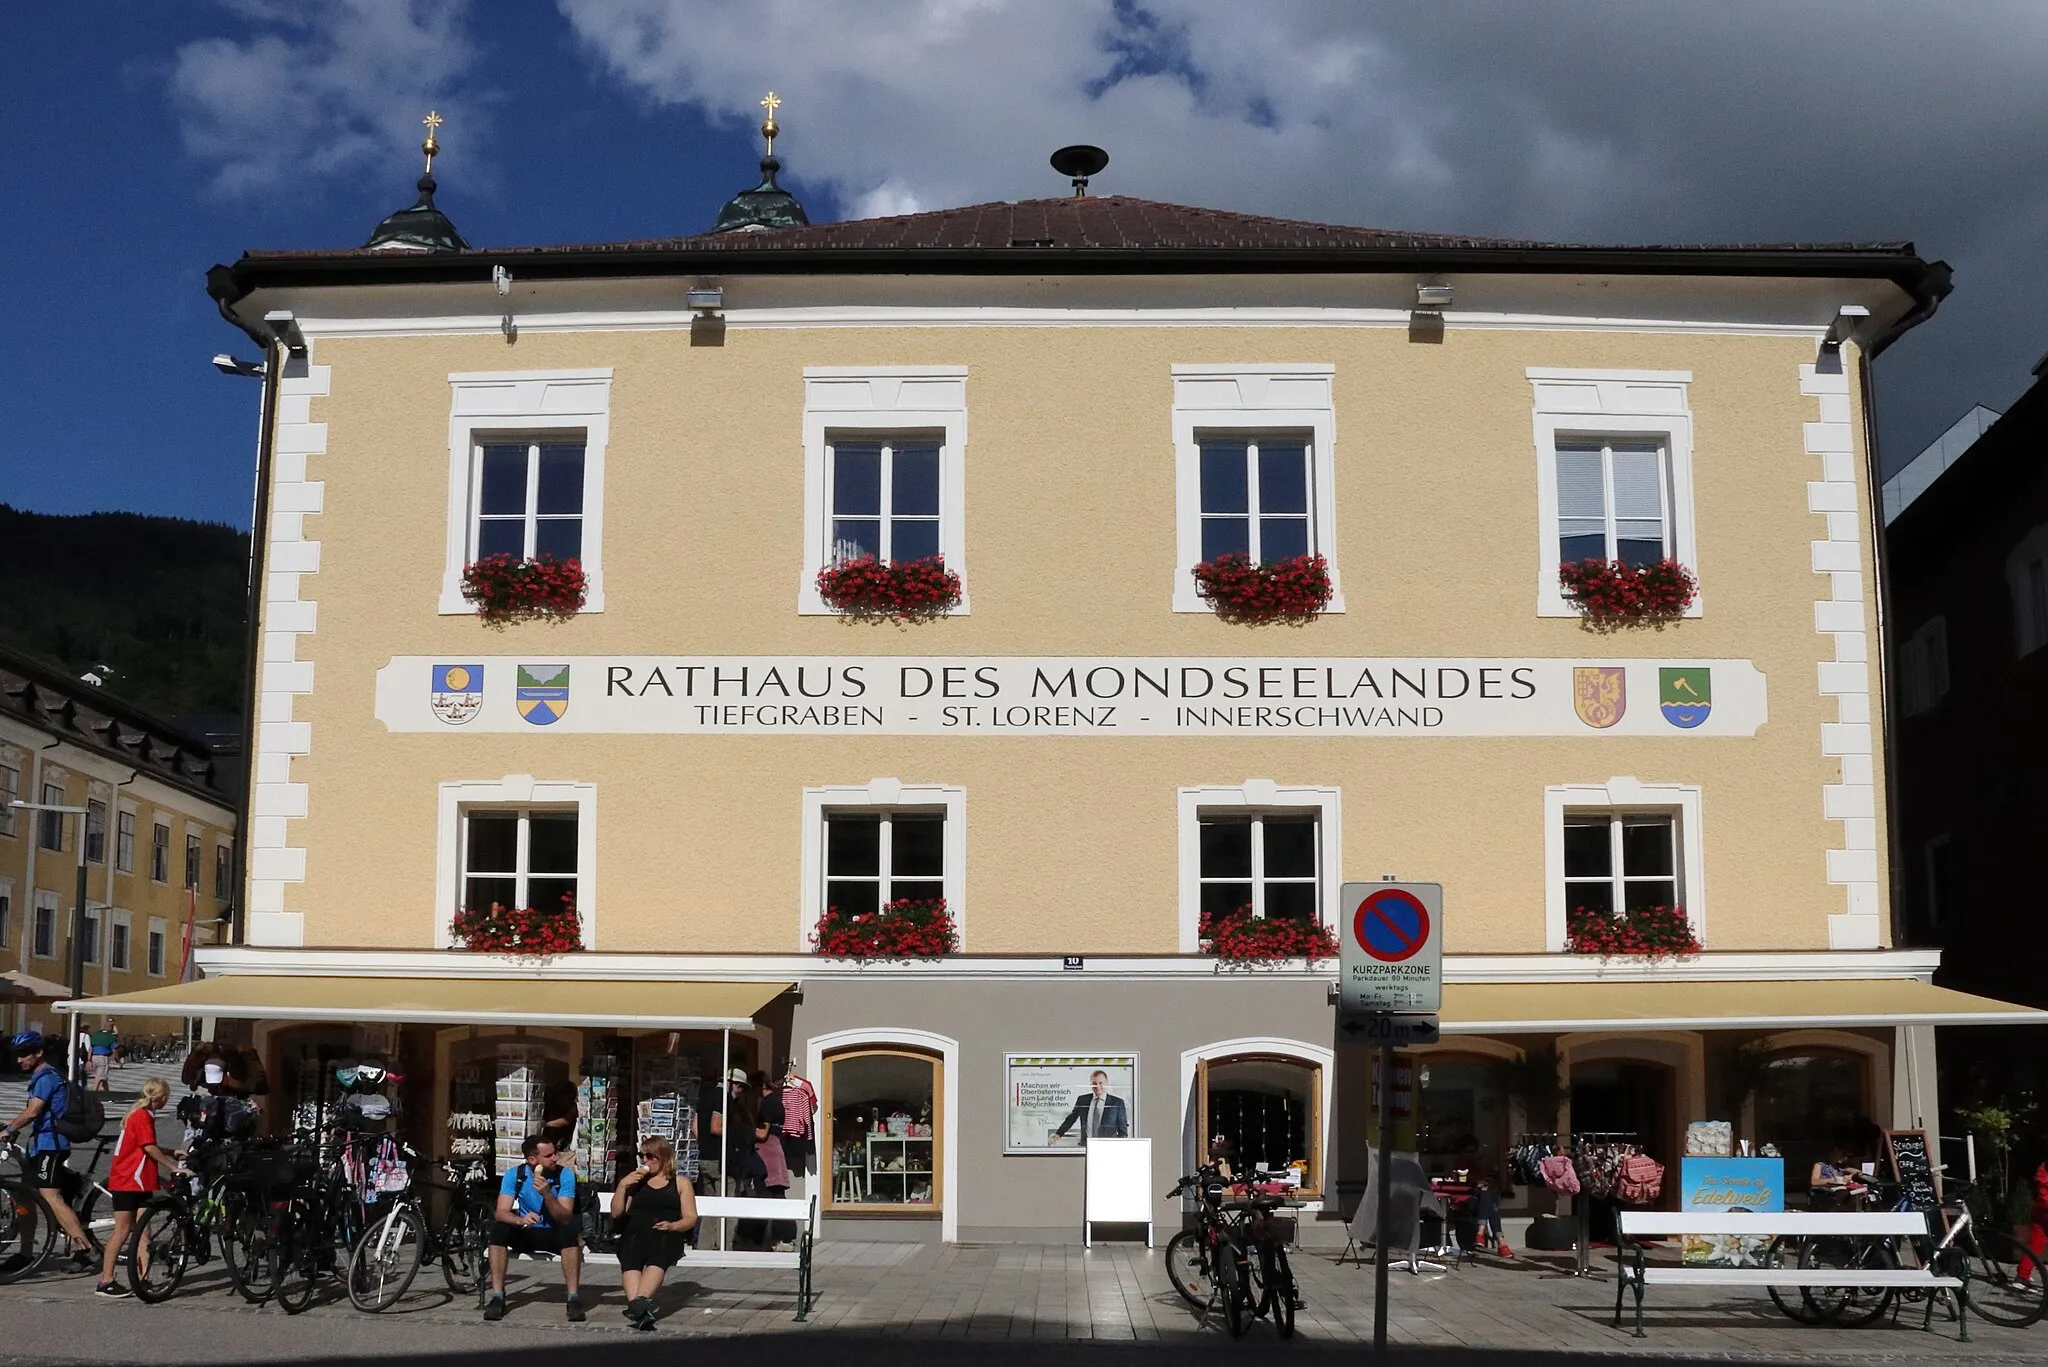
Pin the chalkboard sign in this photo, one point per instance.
(1913, 1168)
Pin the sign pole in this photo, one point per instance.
(1383, 1195)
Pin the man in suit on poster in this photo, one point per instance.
(1100, 1115)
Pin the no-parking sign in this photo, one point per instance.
(1391, 957)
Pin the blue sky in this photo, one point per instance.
(144, 142)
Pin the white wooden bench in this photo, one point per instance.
(765, 1208)
(1634, 1272)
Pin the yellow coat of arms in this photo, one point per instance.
(1600, 694)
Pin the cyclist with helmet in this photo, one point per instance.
(48, 1151)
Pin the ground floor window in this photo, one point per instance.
(1461, 1119)
(881, 1116)
(1810, 1100)
(1268, 1109)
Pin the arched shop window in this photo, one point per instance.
(1459, 1100)
(1805, 1100)
(1269, 1108)
(880, 1112)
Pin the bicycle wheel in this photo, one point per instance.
(1187, 1266)
(385, 1260)
(463, 1250)
(1280, 1292)
(1230, 1286)
(159, 1251)
(2006, 1285)
(24, 1233)
(297, 1255)
(1851, 1306)
(1796, 1303)
(247, 1237)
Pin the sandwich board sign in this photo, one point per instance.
(1390, 958)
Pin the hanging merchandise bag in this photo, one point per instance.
(1559, 1174)
(1640, 1180)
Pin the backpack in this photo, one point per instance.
(1559, 1174)
(81, 1117)
(1640, 1180)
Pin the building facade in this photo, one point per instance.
(1074, 402)
(158, 844)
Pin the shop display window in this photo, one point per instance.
(1808, 1100)
(1269, 1111)
(881, 1122)
(1461, 1103)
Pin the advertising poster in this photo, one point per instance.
(1723, 1185)
(1051, 1100)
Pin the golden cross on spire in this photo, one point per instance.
(769, 129)
(433, 121)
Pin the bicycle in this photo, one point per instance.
(1235, 1256)
(320, 1221)
(28, 1231)
(385, 1260)
(178, 1228)
(2002, 1281)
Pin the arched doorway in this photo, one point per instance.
(1269, 1098)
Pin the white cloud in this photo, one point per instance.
(318, 92)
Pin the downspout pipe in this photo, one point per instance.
(274, 356)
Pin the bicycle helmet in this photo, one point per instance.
(27, 1042)
(370, 1072)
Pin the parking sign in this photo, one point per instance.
(1391, 958)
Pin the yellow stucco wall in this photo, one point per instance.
(1071, 844)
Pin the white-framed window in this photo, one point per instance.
(1939, 870)
(885, 469)
(51, 834)
(124, 841)
(1277, 848)
(120, 928)
(872, 843)
(90, 939)
(160, 852)
(1621, 845)
(883, 490)
(526, 454)
(43, 925)
(2026, 574)
(1614, 475)
(223, 872)
(1923, 667)
(505, 838)
(10, 792)
(158, 943)
(195, 849)
(1254, 468)
(95, 831)
(6, 913)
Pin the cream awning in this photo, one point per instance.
(1772, 1004)
(599, 1003)
(16, 985)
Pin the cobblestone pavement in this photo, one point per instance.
(990, 1304)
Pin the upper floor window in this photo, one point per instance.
(223, 873)
(1616, 862)
(1254, 470)
(873, 858)
(885, 470)
(526, 473)
(124, 842)
(160, 853)
(1613, 500)
(1613, 473)
(519, 858)
(157, 940)
(1256, 498)
(885, 498)
(95, 831)
(51, 834)
(1267, 862)
(194, 848)
(529, 499)
(2026, 574)
(1923, 667)
(43, 930)
(89, 941)
(10, 792)
(120, 929)
(6, 914)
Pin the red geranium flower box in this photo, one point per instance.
(527, 932)
(1291, 591)
(1613, 593)
(506, 589)
(901, 590)
(1646, 932)
(907, 928)
(1240, 937)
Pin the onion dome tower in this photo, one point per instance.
(767, 205)
(423, 227)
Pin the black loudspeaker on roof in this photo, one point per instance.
(1079, 160)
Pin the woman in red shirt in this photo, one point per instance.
(132, 1179)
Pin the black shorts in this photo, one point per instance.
(130, 1200)
(41, 1170)
(640, 1248)
(532, 1238)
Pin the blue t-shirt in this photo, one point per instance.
(46, 1084)
(518, 1184)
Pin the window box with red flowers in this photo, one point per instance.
(890, 590)
(1644, 933)
(1240, 938)
(505, 589)
(907, 928)
(523, 932)
(1614, 593)
(1290, 591)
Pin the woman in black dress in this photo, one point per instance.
(654, 1211)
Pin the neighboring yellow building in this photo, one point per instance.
(1074, 402)
(159, 843)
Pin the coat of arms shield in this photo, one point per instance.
(1599, 694)
(458, 692)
